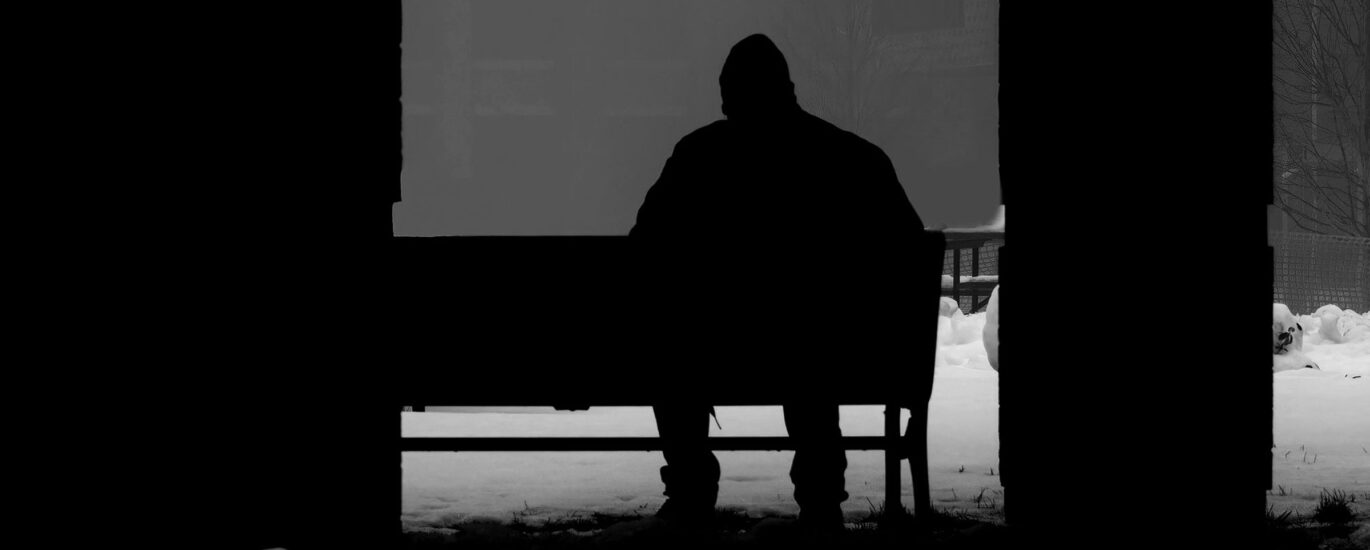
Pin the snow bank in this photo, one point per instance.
(1331, 324)
(960, 340)
(1350, 358)
(1286, 323)
(990, 335)
(1334, 339)
(1322, 417)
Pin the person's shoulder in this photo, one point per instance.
(835, 136)
(703, 136)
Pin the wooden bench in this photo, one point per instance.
(598, 272)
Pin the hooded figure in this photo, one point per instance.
(756, 82)
(747, 227)
(772, 171)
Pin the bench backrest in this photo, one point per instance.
(606, 321)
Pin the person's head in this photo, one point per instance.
(756, 80)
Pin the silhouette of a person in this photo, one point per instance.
(769, 180)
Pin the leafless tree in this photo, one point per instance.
(1321, 129)
(842, 68)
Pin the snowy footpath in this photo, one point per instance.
(1324, 414)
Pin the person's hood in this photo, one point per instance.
(755, 81)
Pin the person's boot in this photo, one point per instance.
(686, 510)
(822, 521)
(688, 501)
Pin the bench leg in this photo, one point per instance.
(916, 448)
(893, 456)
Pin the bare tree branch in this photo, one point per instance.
(1321, 108)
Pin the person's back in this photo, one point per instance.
(786, 178)
(771, 215)
(768, 236)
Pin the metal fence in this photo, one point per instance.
(1315, 270)
(989, 265)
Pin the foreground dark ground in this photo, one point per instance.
(736, 529)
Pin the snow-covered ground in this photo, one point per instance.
(1325, 413)
(1322, 421)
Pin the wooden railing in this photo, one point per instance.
(974, 285)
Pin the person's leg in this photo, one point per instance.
(820, 463)
(691, 472)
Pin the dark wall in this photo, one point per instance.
(1091, 133)
(283, 267)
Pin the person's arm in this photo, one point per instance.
(659, 221)
(655, 214)
(891, 198)
(659, 211)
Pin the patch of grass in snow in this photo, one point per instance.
(729, 519)
(1334, 508)
(576, 521)
(734, 519)
(1327, 527)
(1281, 521)
(983, 502)
(876, 515)
(950, 518)
(1289, 530)
(452, 518)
